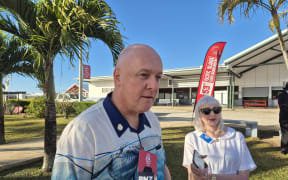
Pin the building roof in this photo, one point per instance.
(267, 52)
(14, 92)
(73, 86)
(167, 74)
(98, 78)
(181, 73)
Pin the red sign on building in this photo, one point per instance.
(86, 71)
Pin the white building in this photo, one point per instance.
(258, 72)
(14, 95)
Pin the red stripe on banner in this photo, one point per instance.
(86, 71)
(209, 70)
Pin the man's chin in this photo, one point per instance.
(145, 108)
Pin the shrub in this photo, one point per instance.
(37, 107)
(65, 108)
(79, 107)
(58, 108)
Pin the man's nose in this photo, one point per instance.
(153, 84)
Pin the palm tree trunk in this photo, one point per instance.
(50, 120)
(280, 37)
(2, 127)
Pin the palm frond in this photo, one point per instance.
(283, 15)
(246, 7)
(15, 57)
(25, 9)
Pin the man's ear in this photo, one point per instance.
(116, 75)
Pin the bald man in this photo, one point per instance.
(104, 142)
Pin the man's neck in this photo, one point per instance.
(131, 116)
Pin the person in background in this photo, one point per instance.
(104, 141)
(283, 118)
(223, 149)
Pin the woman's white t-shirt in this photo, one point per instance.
(225, 155)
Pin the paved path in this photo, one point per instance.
(179, 116)
(16, 154)
(20, 153)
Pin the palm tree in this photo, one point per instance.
(226, 7)
(14, 58)
(63, 27)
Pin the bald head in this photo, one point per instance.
(136, 51)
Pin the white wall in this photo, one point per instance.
(264, 76)
(269, 77)
(193, 81)
(96, 88)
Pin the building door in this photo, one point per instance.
(221, 96)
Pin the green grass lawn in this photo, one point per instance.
(271, 164)
(23, 128)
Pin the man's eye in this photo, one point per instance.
(143, 75)
(158, 77)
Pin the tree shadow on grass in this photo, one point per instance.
(21, 118)
(27, 124)
(177, 130)
(21, 172)
(30, 130)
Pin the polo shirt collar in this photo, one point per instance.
(119, 123)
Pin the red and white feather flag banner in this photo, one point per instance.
(209, 70)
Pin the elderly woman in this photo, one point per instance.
(222, 148)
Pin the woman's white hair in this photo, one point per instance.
(204, 101)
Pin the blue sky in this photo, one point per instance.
(180, 31)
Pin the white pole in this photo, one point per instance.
(80, 76)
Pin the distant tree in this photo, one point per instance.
(63, 27)
(246, 7)
(14, 58)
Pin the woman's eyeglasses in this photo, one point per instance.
(207, 111)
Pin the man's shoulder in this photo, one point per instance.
(96, 111)
(152, 117)
(150, 114)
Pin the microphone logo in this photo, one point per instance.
(148, 159)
